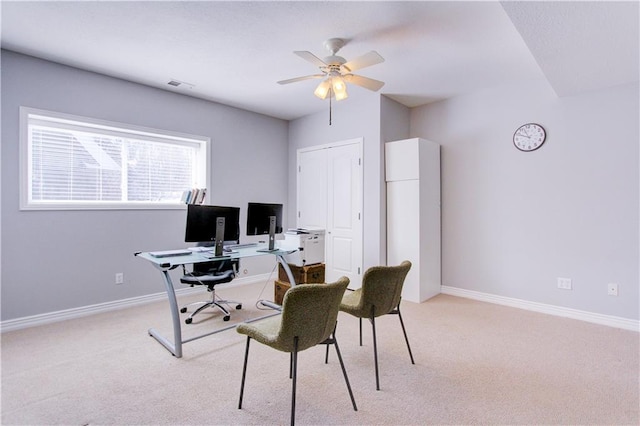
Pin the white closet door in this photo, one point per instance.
(344, 224)
(329, 195)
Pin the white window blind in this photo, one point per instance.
(83, 163)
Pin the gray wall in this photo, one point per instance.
(512, 222)
(56, 260)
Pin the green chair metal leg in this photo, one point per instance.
(295, 372)
(244, 372)
(406, 339)
(375, 347)
(344, 371)
(290, 365)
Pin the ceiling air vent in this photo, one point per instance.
(177, 83)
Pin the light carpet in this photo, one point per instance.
(476, 363)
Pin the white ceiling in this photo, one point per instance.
(234, 52)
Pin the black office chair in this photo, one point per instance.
(211, 274)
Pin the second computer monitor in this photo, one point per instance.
(264, 218)
(204, 225)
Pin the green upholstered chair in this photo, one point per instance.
(309, 314)
(379, 295)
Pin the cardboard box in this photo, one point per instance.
(308, 274)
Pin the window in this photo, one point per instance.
(73, 162)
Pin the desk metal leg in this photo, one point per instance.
(286, 268)
(176, 347)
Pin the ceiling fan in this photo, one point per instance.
(336, 71)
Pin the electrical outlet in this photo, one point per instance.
(119, 278)
(564, 283)
(612, 289)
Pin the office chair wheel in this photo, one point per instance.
(226, 318)
(239, 306)
(188, 320)
(183, 310)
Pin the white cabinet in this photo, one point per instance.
(412, 173)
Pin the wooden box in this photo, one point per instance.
(307, 274)
(279, 289)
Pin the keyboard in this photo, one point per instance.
(201, 248)
(241, 246)
(170, 253)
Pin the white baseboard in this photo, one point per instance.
(48, 318)
(608, 320)
(67, 314)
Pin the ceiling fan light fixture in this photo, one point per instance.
(339, 88)
(323, 89)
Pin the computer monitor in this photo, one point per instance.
(263, 218)
(212, 225)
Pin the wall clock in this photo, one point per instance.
(529, 137)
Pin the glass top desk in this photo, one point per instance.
(165, 264)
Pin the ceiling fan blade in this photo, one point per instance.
(367, 83)
(365, 60)
(306, 77)
(308, 56)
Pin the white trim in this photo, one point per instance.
(52, 317)
(608, 320)
(359, 140)
(68, 314)
(161, 134)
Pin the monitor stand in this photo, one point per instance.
(272, 235)
(219, 242)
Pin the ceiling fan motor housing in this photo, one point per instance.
(334, 44)
(334, 60)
